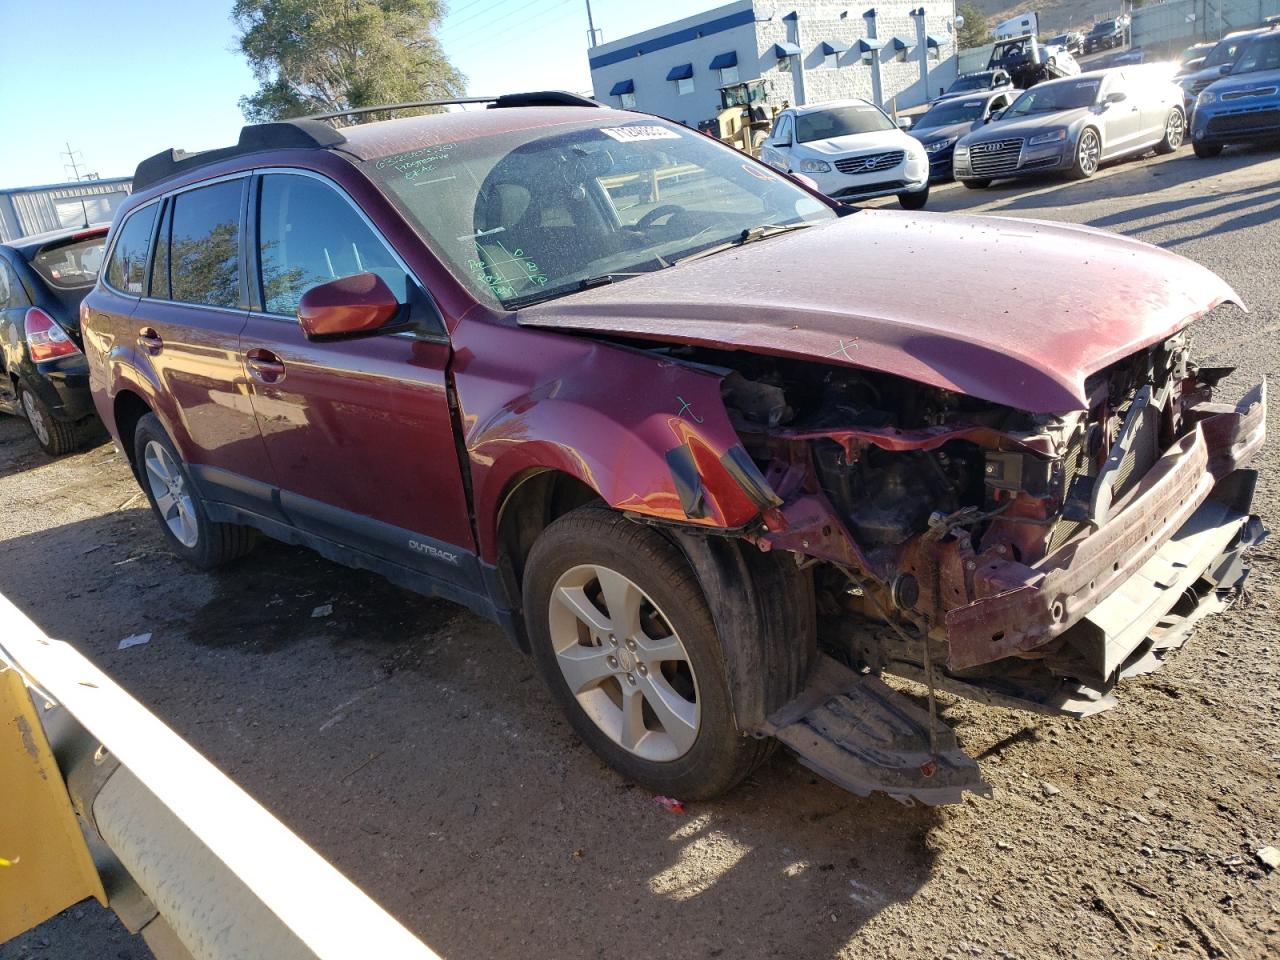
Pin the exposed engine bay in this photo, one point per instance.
(1026, 560)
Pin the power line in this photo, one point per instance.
(523, 24)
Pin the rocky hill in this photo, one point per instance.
(1055, 15)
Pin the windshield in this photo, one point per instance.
(71, 265)
(840, 122)
(1106, 26)
(948, 112)
(535, 214)
(1261, 53)
(1224, 52)
(978, 81)
(1052, 97)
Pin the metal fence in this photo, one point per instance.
(1178, 23)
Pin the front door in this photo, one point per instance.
(359, 431)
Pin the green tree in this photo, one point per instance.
(976, 30)
(313, 56)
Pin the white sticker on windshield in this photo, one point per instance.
(973, 103)
(640, 132)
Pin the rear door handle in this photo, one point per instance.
(264, 366)
(149, 340)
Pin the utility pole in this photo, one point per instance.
(74, 166)
(592, 33)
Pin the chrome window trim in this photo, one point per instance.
(115, 239)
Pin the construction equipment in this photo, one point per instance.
(745, 117)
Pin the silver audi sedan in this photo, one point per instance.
(1075, 124)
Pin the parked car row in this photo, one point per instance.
(1107, 35)
(675, 422)
(1244, 105)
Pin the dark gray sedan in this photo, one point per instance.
(1075, 124)
(949, 120)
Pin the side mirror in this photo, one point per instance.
(1224, 69)
(904, 123)
(808, 181)
(347, 307)
(1118, 96)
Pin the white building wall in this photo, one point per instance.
(893, 78)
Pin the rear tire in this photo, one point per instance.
(176, 502)
(56, 437)
(1206, 149)
(976, 184)
(914, 201)
(658, 596)
(1175, 132)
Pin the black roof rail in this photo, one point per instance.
(315, 133)
(540, 98)
(254, 138)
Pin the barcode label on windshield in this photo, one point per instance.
(632, 134)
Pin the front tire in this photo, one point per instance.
(622, 635)
(914, 201)
(177, 503)
(1175, 131)
(978, 184)
(1088, 155)
(55, 437)
(1206, 149)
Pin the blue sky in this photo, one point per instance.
(125, 80)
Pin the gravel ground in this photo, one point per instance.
(407, 741)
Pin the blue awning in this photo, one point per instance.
(788, 49)
(724, 61)
(902, 43)
(938, 41)
(682, 72)
(833, 46)
(623, 86)
(867, 44)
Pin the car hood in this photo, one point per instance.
(857, 143)
(930, 134)
(1028, 126)
(849, 293)
(1245, 82)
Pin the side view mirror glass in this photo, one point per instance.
(1224, 69)
(349, 306)
(904, 123)
(1117, 97)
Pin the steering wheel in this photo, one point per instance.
(650, 219)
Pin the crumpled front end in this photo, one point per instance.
(1022, 559)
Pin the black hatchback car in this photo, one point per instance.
(43, 278)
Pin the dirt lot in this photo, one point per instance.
(408, 742)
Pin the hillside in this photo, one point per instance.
(1055, 15)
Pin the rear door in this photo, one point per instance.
(359, 431)
(1122, 121)
(187, 329)
(13, 310)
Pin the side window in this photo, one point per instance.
(160, 266)
(204, 245)
(308, 234)
(128, 264)
(8, 288)
(782, 134)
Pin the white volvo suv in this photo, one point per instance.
(852, 150)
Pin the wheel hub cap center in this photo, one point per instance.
(626, 660)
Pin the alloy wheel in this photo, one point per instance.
(1090, 152)
(169, 489)
(623, 662)
(1174, 130)
(35, 417)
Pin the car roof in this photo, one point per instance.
(830, 105)
(29, 246)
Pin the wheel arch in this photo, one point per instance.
(127, 408)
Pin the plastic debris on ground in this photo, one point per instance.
(134, 641)
(322, 611)
(670, 805)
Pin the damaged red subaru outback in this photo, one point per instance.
(682, 426)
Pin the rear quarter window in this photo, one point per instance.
(204, 245)
(128, 264)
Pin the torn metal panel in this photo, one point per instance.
(863, 736)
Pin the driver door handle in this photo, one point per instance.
(264, 366)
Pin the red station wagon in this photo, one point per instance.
(682, 426)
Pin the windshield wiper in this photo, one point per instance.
(750, 235)
(603, 280)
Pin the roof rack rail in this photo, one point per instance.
(540, 98)
(254, 138)
(315, 133)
